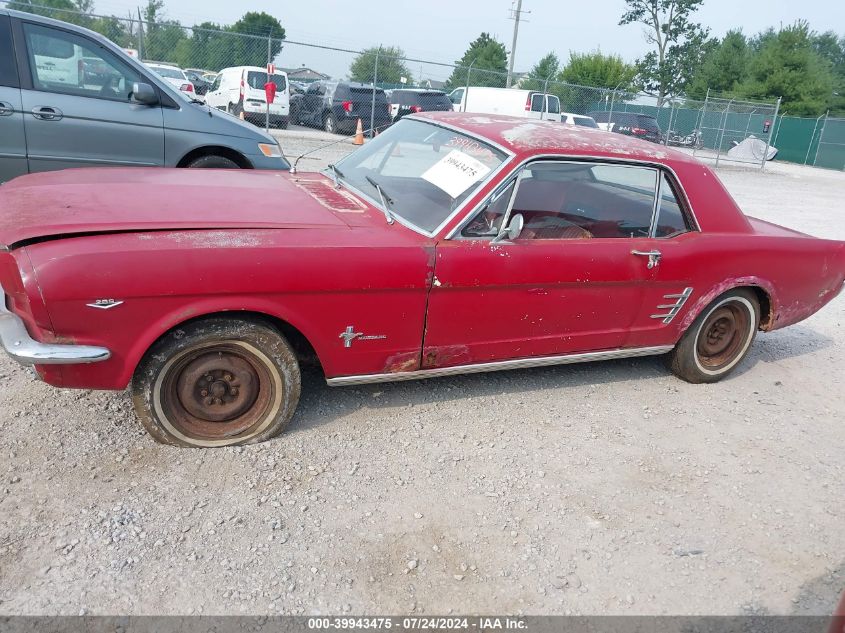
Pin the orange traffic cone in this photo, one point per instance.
(359, 134)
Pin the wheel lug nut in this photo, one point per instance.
(208, 401)
(234, 391)
(204, 392)
(229, 377)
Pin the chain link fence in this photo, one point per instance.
(830, 151)
(737, 131)
(710, 128)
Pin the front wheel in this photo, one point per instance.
(213, 162)
(217, 382)
(718, 339)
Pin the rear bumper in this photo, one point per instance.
(23, 348)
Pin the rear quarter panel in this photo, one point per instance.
(799, 274)
(318, 281)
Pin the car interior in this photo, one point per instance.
(584, 201)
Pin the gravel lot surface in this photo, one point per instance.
(588, 489)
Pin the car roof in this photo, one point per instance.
(259, 69)
(532, 136)
(418, 90)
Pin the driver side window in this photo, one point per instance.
(67, 63)
(585, 201)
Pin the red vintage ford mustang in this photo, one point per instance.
(452, 243)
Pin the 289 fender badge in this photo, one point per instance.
(104, 304)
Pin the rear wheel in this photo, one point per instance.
(213, 162)
(718, 339)
(330, 123)
(218, 382)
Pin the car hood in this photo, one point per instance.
(86, 201)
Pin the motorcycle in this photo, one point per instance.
(692, 140)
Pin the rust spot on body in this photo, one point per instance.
(403, 361)
(446, 356)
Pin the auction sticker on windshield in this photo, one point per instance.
(455, 173)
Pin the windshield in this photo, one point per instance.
(584, 121)
(425, 169)
(256, 80)
(170, 73)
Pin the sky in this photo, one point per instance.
(441, 30)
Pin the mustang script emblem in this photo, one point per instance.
(104, 304)
(349, 335)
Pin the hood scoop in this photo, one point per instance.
(329, 197)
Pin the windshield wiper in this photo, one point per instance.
(336, 175)
(386, 201)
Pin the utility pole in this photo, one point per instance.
(140, 36)
(516, 16)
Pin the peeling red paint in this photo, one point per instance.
(446, 356)
(404, 361)
(730, 284)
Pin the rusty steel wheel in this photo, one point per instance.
(718, 339)
(217, 382)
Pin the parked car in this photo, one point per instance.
(95, 71)
(240, 90)
(530, 104)
(404, 101)
(452, 245)
(173, 75)
(577, 119)
(197, 77)
(336, 106)
(642, 126)
(53, 117)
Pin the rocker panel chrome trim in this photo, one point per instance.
(520, 363)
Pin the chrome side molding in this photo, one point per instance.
(520, 363)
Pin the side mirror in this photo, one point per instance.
(144, 93)
(512, 231)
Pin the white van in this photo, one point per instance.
(530, 104)
(57, 61)
(241, 89)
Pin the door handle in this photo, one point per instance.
(6, 109)
(653, 257)
(47, 113)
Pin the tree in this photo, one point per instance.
(598, 70)
(209, 47)
(665, 71)
(256, 28)
(391, 66)
(66, 10)
(832, 49)
(114, 29)
(546, 69)
(724, 66)
(787, 66)
(489, 61)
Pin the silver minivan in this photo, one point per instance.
(71, 98)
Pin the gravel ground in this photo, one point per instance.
(608, 488)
